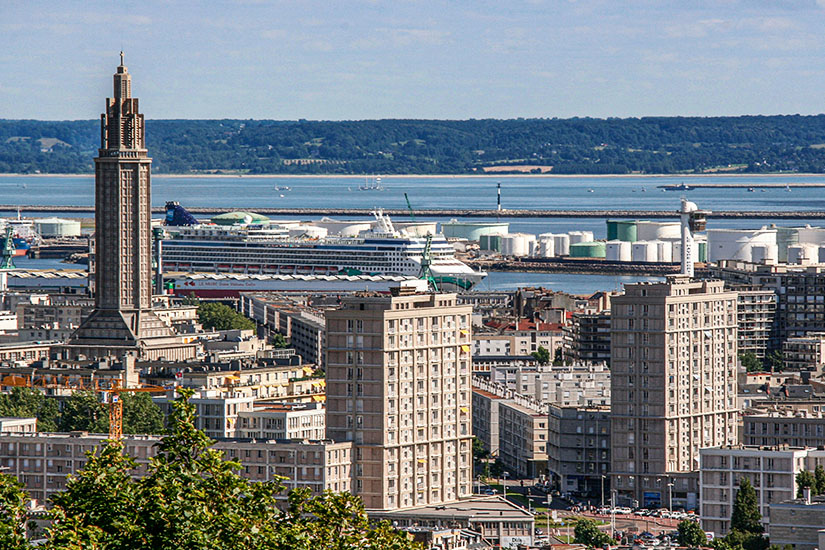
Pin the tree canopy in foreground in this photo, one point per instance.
(190, 498)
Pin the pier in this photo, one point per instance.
(445, 212)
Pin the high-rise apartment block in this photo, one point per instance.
(398, 386)
(673, 381)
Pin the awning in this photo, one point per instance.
(465, 348)
(464, 331)
(422, 460)
(319, 398)
(232, 377)
(465, 410)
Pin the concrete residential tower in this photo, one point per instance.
(122, 319)
(398, 386)
(673, 386)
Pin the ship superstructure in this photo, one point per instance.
(269, 249)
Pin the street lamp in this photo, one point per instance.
(504, 475)
(603, 476)
(670, 497)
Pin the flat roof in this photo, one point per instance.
(490, 508)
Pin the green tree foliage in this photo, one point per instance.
(84, 411)
(141, 415)
(745, 516)
(775, 361)
(28, 402)
(192, 498)
(819, 476)
(589, 534)
(542, 355)
(217, 316)
(750, 361)
(13, 499)
(805, 480)
(691, 534)
(278, 341)
(573, 146)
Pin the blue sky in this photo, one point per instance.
(458, 59)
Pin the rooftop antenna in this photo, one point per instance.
(499, 196)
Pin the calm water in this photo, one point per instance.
(632, 193)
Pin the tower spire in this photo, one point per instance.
(121, 58)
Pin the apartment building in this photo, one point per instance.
(17, 424)
(282, 421)
(756, 316)
(771, 470)
(805, 353)
(794, 427)
(513, 427)
(398, 387)
(44, 461)
(673, 386)
(578, 450)
(798, 523)
(574, 385)
(587, 337)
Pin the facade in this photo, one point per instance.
(805, 353)
(485, 419)
(673, 385)
(398, 386)
(283, 421)
(756, 315)
(576, 385)
(17, 425)
(588, 337)
(798, 428)
(578, 450)
(799, 523)
(44, 461)
(122, 320)
(771, 470)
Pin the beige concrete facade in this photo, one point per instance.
(398, 386)
(673, 386)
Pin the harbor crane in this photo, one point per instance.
(103, 386)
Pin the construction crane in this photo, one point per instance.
(409, 207)
(104, 386)
(426, 272)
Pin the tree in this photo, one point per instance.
(691, 534)
(83, 411)
(192, 498)
(819, 476)
(750, 361)
(219, 316)
(558, 357)
(589, 534)
(13, 499)
(28, 402)
(775, 361)
(745, 516)
(805, 480)
(141, 415)
(279, 341)
(542, 355)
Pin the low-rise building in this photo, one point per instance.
(798, 523)
(797, 428)
(805, 353)
(12, 424)
(283, 421)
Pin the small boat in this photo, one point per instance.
(371, 185)
(589, 190)
(788, 188)
(681, 187)
(644, 190)
(281, 195)
(282, 188)
(750, 189)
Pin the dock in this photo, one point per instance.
(445, 212)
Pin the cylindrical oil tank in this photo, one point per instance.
(580, 237)
(676, 251)
(345, 228)
(735, 244)
(655, 231)
(764, 253)
(516, 244)
(561, 244)
(811, 235)
(472, 231)
(57, 227)
(803, 253)
(785, 237)
(703, 251)
(664, 251)
(822, 254)
(621, 230)
(644, 251)
(490, 242)
(617, 251)
(546, 246)
(417, 229)
(588, 249)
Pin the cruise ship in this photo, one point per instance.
(282, 250)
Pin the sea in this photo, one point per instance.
(517, 192)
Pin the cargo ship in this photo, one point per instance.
(268, 249)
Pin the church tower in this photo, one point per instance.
(122, 319)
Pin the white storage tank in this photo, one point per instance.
(57, 227)
(561, 245)
(345, 228)
(617, 251)
(803, 253)
(546, 245)
(735, 244)
(811, 235)
(516, 244)
(764, 253)
(664, 251)
(307, 232)
(644, 252)
(656, 231)
(580, 237)
(822, 254)
(676, 251)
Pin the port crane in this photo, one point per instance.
(111, 389)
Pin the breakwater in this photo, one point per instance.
(448, 212)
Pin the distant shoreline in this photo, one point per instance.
(430, 176)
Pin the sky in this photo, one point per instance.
(459, 59)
